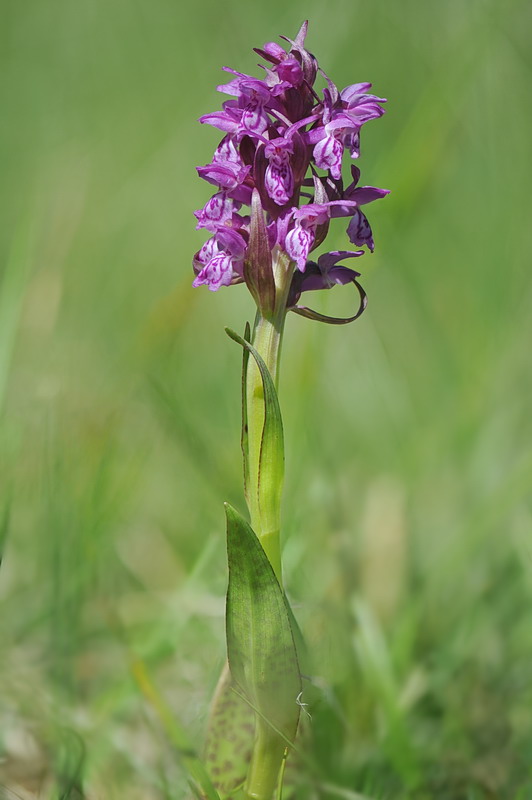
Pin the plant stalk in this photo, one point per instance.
(267, 340)
(269, 747)
(266, 762)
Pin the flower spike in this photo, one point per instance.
(284, 141)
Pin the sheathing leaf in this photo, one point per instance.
(260, 642)
(271, 459)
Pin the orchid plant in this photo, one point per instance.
(278, 178)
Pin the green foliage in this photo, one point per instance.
(406, 512)
(244, 438)
(260, 643)
(269, 482)
(261, 652)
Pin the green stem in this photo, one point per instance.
(269, 747)
(268, 754)
(267, 340)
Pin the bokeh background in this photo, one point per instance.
(407, 507)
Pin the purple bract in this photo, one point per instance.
(277, 134)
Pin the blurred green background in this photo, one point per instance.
(409, 469)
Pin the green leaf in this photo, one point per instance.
(271, 458)
(229, 739)
(260, 642)
(244, 437)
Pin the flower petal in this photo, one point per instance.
(298, 243)
(216, 273)
(359, 231)
(328, 155)
(216, 212)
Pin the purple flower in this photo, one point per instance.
(277, 134)
(309, 65)
(300, 239)
(323, 274)
(228, 175)
(218, 211)
(227, 152)
(344, 114)
(252, 95)
(220, 261)
(359, 106)
(279, 177)
(226, 120)
(290, 71)
(359, 230)
(328, 153)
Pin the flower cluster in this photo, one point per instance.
(277, 134)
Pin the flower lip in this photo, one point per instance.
(324, 274)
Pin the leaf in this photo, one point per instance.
(260, 642)
(271, 458)
(229, 739)
(244, 437)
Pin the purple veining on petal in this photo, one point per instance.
(279, 181)
(254, 118)
(298, 242)
(351, 141)
(244, 86)
(227, 120)
(279, 177)
(227, 151)
(323, 274)
(228, 175)
(220, 261)
(312, 214)
(328, 155)
(216, 212)
(216, 273)
(359, 230)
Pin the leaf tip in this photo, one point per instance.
(233, 335)
(230, 512)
